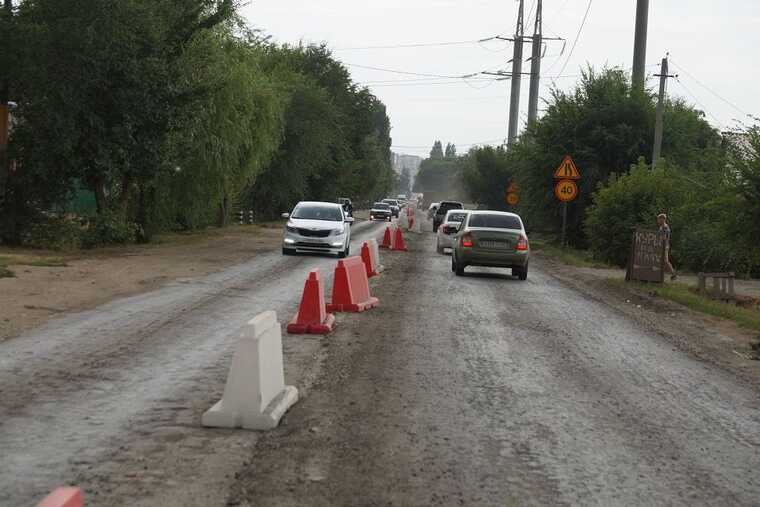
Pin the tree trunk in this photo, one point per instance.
(99, 187)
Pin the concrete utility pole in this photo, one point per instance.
(640, 44)
(658, 126)
(535, 66)
(514, 101)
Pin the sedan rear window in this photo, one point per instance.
(317, 212)
(495, 221)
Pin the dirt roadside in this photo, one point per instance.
(85, 280)
(711, 339)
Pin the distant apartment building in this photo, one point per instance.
(401, 162)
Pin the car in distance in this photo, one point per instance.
(348, 206)
(321, 227)
(394, 204)
(440, 213)
(381, 211)
(448, 229)
(432, 209)
(491, 238)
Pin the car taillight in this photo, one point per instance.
(522, 243)
(467, 241)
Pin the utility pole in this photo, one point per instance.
(535, 66)
(514, 101)
(640, 44)
(658, 126)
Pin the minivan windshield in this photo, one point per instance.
(380, 205)
(494, 221)
(317, 212)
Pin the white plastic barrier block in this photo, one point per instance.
(403, 220)
(255, 396)
(418, 219)
(375, 252)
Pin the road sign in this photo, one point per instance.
(566, 190)
(567, 170)
(647, 259)
(512, 199)
(512, 188)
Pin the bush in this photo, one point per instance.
(53, 233)
(109, 228)
(627, 201)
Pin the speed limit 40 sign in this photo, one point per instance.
(566, 190)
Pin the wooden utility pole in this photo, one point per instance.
(640, 44)
(535, 65)
(514, 100)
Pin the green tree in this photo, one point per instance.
(451, 151)
(437, 152)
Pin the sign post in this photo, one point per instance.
(566, 190)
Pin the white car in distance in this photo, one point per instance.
(449, 228)
(317, 227)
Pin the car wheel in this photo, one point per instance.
(458, 268)
(438, 247)
(288, 251)
(522, 273)
(453, 263)
(344, 253)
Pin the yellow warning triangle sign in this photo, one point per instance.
(567, 170)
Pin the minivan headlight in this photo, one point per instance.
(337, 232)
(290, 228)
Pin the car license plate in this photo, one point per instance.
(493, 244)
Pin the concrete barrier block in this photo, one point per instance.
(255, 396)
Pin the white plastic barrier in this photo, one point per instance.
(255, 396)
(375, 251)
(403, 220)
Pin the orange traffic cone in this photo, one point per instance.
(370, 263)
(351, 288)
(398, 242)
(312, 316)
(387, 238)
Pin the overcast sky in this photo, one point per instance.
(713, 46)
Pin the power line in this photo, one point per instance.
(696, 100)
(709, 89)
(577, 36)
(459, 145)
(417, 45)
(393, 71)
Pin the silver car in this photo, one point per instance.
(448, 229)
(321, 227)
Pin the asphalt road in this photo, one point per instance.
(474, 390)
(484, 390)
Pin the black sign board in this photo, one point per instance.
(647, 260)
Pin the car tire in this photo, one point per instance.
(345, 253)
(288, 251)
(457, 267)
(521, 273)
(438, 247)
(453, 263)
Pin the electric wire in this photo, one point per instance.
(696, 100)
(713, 92)
(393, 71)
(577, 36)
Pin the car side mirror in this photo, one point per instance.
(285, 215)
(349, 220)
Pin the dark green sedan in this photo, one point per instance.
(494, 239)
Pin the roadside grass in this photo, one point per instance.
(747, 318)
(568, 255)
(27, 260)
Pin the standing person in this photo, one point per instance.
(662, 221)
